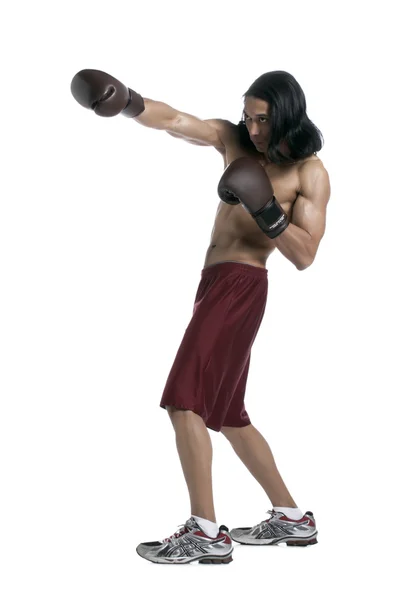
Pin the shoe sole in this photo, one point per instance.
(288, 541)
(207, 560)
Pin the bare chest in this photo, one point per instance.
(235, 222)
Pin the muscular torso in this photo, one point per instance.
(236, 236)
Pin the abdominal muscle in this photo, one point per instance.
(216, 254)
(237, 238)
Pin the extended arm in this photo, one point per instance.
(108, 97)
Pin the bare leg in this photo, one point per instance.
(255, 453)
(195, 452)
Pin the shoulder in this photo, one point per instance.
(313, 175)
(222, 125)
(311, 163)
(227, 131)
(311, 167)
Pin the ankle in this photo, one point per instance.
(288, 502)
(205, 515)
(291, 513)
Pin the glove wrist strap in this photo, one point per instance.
(135, 105)
(272, 219)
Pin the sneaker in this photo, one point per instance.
(278, 529)
(189, 544)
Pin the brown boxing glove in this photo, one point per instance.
(105, 95)
(245, 181)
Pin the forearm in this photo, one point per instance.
(293, 243)
(157, 115)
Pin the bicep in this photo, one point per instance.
(309, 216)
(309, 211)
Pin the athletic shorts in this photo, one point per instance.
(209, 374)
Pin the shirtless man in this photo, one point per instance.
(205, 389)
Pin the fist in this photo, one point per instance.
(100, 92)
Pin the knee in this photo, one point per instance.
(177, 413)
(233, 433)
(230, 432)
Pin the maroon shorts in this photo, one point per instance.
(210, 370)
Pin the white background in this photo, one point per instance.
(104, 226)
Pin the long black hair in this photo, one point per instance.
(287, 117)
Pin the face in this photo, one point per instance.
(257, 122)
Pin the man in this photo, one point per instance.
(274, 193)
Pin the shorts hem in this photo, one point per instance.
(214, 428)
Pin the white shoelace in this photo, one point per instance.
(172, 538)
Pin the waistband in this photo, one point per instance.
(228, 267)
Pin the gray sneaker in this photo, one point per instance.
(279, 529)
(189, 544)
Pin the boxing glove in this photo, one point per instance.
(105, 95)
(246, 181)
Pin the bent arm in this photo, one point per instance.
(300, 241)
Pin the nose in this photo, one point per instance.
(254, 130)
